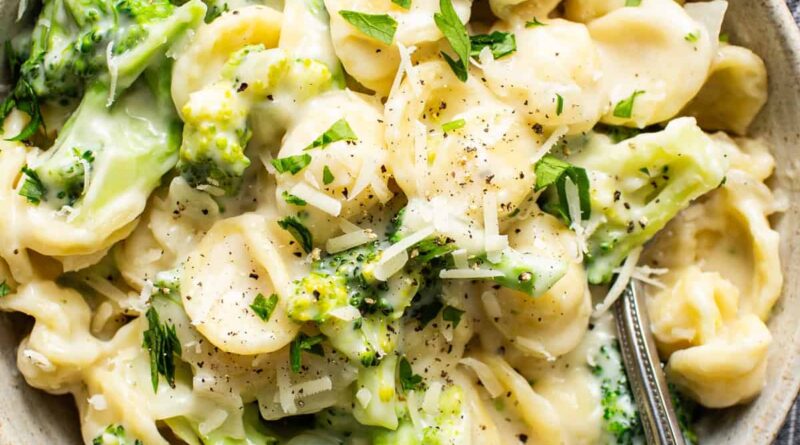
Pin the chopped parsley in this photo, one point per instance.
(551, 171)
(339, 131)
(559, 104)
(633, 2)
(162, 343)
(5, 289)
(292, 199)
(453, 125)
(264, 307)
(327, 176)
(408, 380)
(453, 315)
(624, 108)
(692, 37)
(303, 342)
(24, 99)
(724, 37)
(292, 164)
(402, 3)
(298, 231)
(534, 23)
(32, 189)
(501, 44)
(456, 34)
(380, 27)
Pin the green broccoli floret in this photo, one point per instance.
(639, 184)
(217, 131)
(114, 435)
(103, 155)
(686, 411)
(256, 432)
(620, 416)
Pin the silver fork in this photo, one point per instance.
(643, 367)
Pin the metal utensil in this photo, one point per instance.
(643, 367)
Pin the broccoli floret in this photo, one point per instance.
(640, 184)
(104, 155)
(526, 273)
(686, 411)
(217, 131)
(620, 416)
(256, 432)
(114, 435)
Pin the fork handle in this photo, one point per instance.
(643, 367)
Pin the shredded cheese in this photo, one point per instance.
(39, 360)
(430, 402)
(491, 305)
(316, 198)
(347, 226)
(485, 375)
(460, 259)
(311, 387)
(625, 273)
(345, 313)
(98, 402)
(535, 348)
(469, 274)
(363, 396)
(285, 395)
(395, 257)
(493, 242)
(549, 143)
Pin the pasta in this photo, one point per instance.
(395, 222)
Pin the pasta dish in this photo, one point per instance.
(382, 221)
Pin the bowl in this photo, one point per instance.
(29, 416)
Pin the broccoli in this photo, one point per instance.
(255, 431)
(114, 435)
(216, 130)
(639, 184)
(104, 155)
(75, 43)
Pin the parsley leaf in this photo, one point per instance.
(633, 2)
(559, 104)
(553, 171)
(455, 32)
(624, 108)
(408, 380)
(378, 26)
(453, 125)
(5, 289)
(453, 315)
(263, 307)
(534, 23)
(501, 43)
(292, 164)
(339, 131)
(327, 176)
(298, 231)
(24, 99)
(32, 189)
(692, 37)
(402, 3)
(292, 199)
(302, 343)
(163, 344)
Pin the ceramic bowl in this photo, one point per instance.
(28, 416)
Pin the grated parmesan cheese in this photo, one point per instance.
(316, 198)
(395, 257)
(311, 387)
(469, 274)
(549, 143)
(624, 276)
(345, 313)
(363, 396)
(430, 402)
(534, 347)
(285, 395)
(460, 259)
(493, 242)
(490, 304)
(485, 375)
(98, 402)
(347, 226)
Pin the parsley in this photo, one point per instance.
(378, 26)
(534, 23)
(624, 108)
(163, 344)
(453, 125)
(559, 104)
(302, 343)
(5, 289)
(263, 307)
(292, 164)
(293, 200)
(402, 3)
(633, 2)
(427, 312)
(32, 189)
(24, 99)
(453, 315)
(327, 176)
(116, 435)
(553, 171)
(298, 231)
(724, 37)
(501, 44)
(408, 380)
(339, 131)
(692, 37)
(455, 32)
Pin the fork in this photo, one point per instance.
(643, 367)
